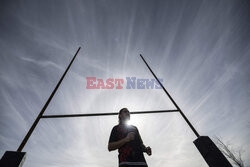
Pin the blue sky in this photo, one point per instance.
(200, 49)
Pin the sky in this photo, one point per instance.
(200, 49)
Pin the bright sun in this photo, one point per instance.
(129, 122)
(134, 121)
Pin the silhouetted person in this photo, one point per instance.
(127, 140)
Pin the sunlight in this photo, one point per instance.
(133, 121)
(129, 122)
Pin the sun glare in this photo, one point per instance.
(134, 121)
(129, 122)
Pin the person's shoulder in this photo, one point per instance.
(115, 127)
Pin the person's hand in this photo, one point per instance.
(130, 136)
(148, 151)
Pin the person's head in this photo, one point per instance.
(123, 116)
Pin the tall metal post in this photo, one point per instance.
(204, 144)
(16, 158)
(45, 106)
(177, 107)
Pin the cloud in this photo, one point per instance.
(200, 50)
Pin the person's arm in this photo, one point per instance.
(141, 142)
(117, 144)
(144, 148)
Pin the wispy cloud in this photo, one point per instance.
(200, 49)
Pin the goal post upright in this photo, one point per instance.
(17, 158)
(209, 151)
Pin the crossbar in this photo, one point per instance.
(106, 114)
